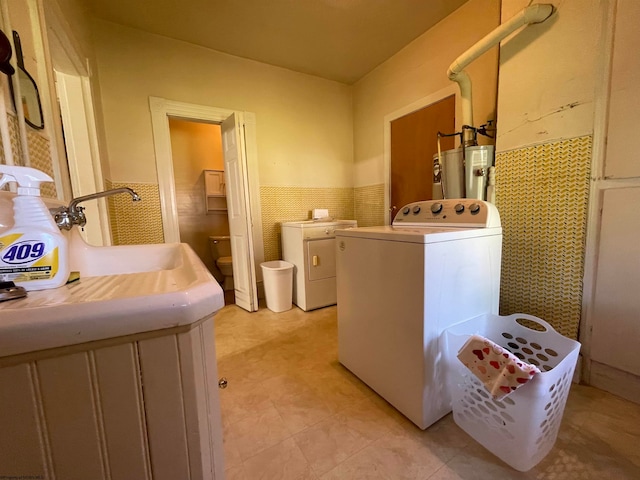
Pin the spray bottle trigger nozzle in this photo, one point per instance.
(27, 178)
(6, 178)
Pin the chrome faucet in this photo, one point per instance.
(67, 217)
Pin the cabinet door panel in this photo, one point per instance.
(616, 326)
(321, 258)
(214, 182)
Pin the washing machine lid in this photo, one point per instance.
(303, 224)
(417, 234)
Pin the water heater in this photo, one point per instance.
(462, 174)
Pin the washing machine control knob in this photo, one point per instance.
(416, 210)
(459, 208)
(406, 210)
(474, 208)
(436, 208)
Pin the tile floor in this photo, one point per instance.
(291, 411)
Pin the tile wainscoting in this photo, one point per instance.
(542, 194)
(142, 223)
(369, 205)
(139, 222)
(39, 153)
(282, 204)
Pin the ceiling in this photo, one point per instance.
(340, 40)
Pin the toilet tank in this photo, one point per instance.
(220, 246)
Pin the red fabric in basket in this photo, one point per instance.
(499, 370)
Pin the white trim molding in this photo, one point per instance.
(161, 109)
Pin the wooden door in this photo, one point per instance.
(413, 145)
(244, 275)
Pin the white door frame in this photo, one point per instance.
(161, 110)
(83, 157)
(406, 110)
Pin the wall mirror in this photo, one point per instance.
(28, 89)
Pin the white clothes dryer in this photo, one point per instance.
(311, 246)
(400, 286)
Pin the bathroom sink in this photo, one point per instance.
(123, 290)
(93, 261)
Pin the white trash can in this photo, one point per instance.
(278, 284)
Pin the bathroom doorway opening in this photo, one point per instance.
(196, 150)
(242, 194)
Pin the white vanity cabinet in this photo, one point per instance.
(134, 408)
(114, 376)
(215, 191)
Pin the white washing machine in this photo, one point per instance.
(311, 246)
(400, 286)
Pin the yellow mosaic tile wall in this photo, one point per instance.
(542, 195)
(135, 222)
(369, 205)
(39, 153)
(40, 158)
(282, 204)
(278, 204)
(16, 146)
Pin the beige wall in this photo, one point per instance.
(21, 23)
(304, 123)
(420, 70)
(195, 147)
(621, 151)
(548, 75)
(75, 18)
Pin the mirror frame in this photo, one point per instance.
(21, 71)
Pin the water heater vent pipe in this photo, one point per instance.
(537, 13)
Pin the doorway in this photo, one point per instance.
(240, 159)
(196, 151)
(413, 145)
(410, 141)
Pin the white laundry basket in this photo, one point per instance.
(278, 284)
(522, 427)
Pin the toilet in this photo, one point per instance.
(221, 251)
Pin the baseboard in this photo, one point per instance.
(577, 373)
(618, 382)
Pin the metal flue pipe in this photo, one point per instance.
(537, 13)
